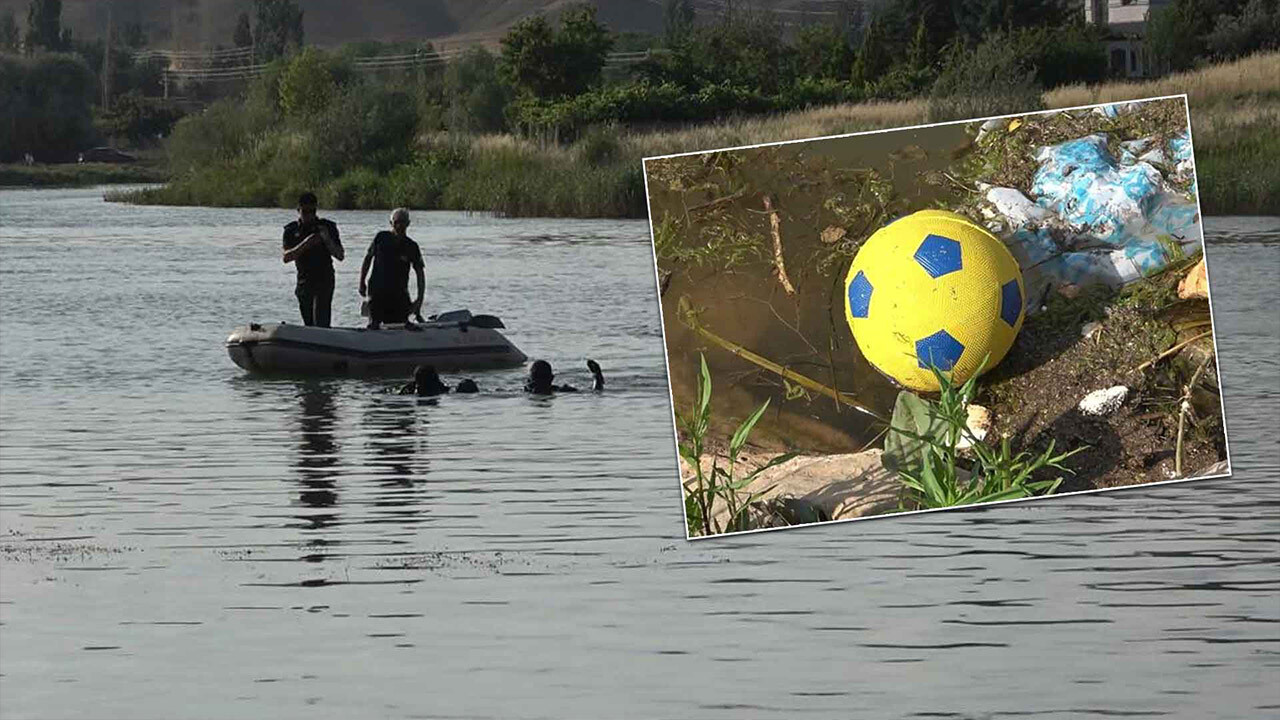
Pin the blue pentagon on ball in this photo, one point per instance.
(860, 295)
(939, 349)
(938, 255)
(1010, 302)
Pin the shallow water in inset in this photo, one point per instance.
(180, 540)
(857, 183)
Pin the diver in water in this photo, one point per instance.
(427, 383)
(541, 377)
(597, 375)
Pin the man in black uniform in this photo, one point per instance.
(310, 243)
(391, 254)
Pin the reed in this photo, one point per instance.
(934, 478)
(710, 490)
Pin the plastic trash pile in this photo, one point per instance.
(1095, 218)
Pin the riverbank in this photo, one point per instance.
(1233, 108)
(79, 174)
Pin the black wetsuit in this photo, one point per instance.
(389, 280)
(315, 272)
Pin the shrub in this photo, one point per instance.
(992, 79)
(359, 188)
(1257, 27)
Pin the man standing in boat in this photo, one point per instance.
(391, 254)
(310, 243)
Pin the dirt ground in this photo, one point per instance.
(1034, 393)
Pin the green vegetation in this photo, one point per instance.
(363, 135)
(713, 500)
(45, 106)
(924, 447)
(68, 174)
(1238, 162)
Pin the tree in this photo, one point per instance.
(138, 118)
(133, 36)
(529, 57)
(582, 45)
(476, 94)
(10, 35)
(309, 83)
(1173, 35)
(44, 26)
(243, 35)
(1256, 27)
(918, 53)
(873, 56)
(822, 50)
(546, 63)
(978, 18)
(278, 29)
(678, 17)
(45, 106)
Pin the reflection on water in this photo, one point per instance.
(399, 427)
(317, 461)
(328, 550)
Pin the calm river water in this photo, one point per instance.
(178, 540)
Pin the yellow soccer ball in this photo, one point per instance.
(933, 287)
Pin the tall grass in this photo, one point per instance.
(1238, 162)
(1224, 82)
(798, 125)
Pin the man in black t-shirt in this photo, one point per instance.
(391, 254)
(310, 243)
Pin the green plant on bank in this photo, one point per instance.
(927, 458)
(706, 491)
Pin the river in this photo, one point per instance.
(179, 540)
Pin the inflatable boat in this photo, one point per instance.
(450, 341)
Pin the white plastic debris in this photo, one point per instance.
(1117, 109)
(1104, 402)
(988, 126)
(979, 423)
(1015, 206)
(1093, 219)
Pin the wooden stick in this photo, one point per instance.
(718, 201)
(1170, 351)
(776, 225)
(1183, 408)
(792, 375)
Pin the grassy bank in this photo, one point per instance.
(1234, 108)
(79, 174)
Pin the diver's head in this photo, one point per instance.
(540, 372)
(425, 375)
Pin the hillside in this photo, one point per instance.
(174, 24)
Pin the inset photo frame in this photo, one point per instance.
(939, 316)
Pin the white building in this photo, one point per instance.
(1126, 24)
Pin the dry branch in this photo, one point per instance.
(776, 225)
